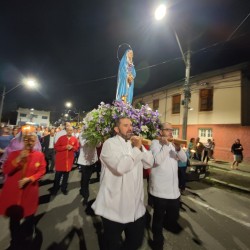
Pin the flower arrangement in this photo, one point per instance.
(99, 123)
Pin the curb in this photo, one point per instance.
(221, 168)
(227, 184)
(233, 172)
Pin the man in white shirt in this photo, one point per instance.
(86, 161)
(163, 185)
(120, 200)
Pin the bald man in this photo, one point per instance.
(65, 148)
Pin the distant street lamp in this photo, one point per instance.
(29, 83)
(160, 13)
(71, 113)
(68, 104)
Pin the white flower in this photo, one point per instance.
(89, 117)
(144, 128)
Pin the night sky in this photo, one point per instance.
(70, 47)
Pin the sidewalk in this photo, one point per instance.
(220, 172)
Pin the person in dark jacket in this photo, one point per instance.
(48, 150)
(237, 149)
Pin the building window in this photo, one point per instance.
(156, 104)
(44, 117)
(205, 133)
(23, 115)
(175, 132)
(176, 104)
(206, 99)
(34, 116)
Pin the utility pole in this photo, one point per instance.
(187, 94)
(2, 100)
(78, 117)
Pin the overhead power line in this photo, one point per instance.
(204, 49)
(229, 38)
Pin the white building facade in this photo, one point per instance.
(32, 116)
(219, 108)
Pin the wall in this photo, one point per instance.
(226, 118)
(30, 116)
(224, 136)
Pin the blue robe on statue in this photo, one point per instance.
(124, 88)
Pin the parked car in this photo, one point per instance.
(196, 170)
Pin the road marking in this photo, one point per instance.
(247, 224)
(228, 184)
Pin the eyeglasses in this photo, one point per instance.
(168, 129)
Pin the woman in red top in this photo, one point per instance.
(19, 196)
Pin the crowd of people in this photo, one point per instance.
(28, 153)
(199, 151)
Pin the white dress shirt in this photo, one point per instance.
(51, 141)
(163, 179)
(121, 194)
(88, 154)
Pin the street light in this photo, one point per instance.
(28, 82)
(160, 13)
(74, 110)
(68, 104)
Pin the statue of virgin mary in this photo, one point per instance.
(125, 79)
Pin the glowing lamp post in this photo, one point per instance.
(160, 13)
(29, 83)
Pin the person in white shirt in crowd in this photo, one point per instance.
(120, 200)
(207, 150)
(62, 131)
(86, 161)
(163, 183)
(76, 133)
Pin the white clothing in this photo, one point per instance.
(59, 134)
(121, 194)
(76, 135)
(51, 142)
(88, 154)
(163, 179)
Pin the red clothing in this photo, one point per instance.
(64, 157)
(27, 197)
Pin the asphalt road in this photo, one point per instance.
(210, 218)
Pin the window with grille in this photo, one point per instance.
(205, 133)
(176, 104)
(175, 132)
(156, 104)
(206, 99)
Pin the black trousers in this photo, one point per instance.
(206, 156)
(19, 232)
(182, 177)
(50, 159)
(134, 232)
(197, 156)
(65, 176)
(86, 175)
(165, 210)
